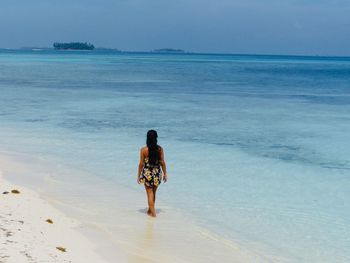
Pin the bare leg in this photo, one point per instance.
(150, 197)
(154, 189)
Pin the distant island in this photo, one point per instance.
(88, 46)
(168, 50)
(73, 46)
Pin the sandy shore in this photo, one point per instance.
(123, 233)
(26, 236)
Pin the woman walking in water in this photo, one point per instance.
(150, 174)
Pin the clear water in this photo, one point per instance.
(257, 147)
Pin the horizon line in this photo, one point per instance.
(154, 51)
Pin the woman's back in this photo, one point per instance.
(146, 155)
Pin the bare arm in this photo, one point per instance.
(141, 164)
(162, 164)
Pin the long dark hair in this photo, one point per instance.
(153, 148)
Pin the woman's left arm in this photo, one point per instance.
(163, 165)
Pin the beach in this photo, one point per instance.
(36, 228)
(32, 230)
(257, 151)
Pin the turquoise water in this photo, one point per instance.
(257, 147)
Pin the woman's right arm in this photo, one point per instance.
(162, 164)
(141, 164)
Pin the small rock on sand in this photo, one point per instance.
(62, 249)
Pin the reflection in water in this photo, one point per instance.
(145, 244)
(148, 239)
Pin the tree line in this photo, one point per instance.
(74, 46)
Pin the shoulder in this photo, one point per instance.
(160, 148)
(143, 149)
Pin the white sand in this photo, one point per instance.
(25, 236)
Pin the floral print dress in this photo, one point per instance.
(151, 174)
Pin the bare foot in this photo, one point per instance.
(150, 213)
(153, 212)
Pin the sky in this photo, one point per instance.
(295, 27)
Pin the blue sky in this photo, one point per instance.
(310, 27)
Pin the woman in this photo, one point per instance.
(150, 174)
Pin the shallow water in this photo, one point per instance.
(257, 147)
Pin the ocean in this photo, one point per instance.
(257, 149)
